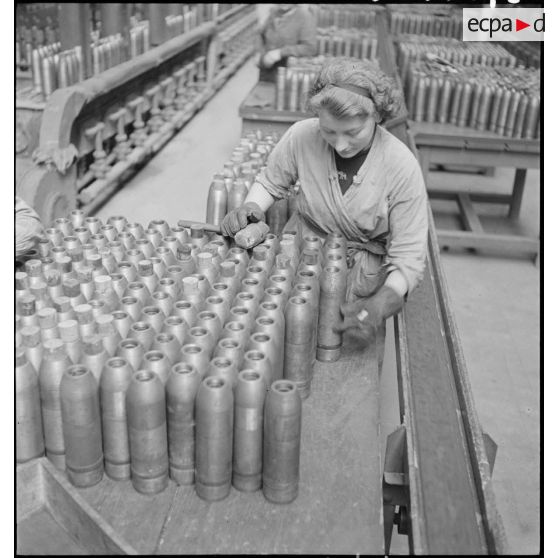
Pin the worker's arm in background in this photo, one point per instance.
(272, 183)
(307, 44)
(28, 227)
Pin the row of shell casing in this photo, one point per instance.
(504, 110)
(350, 42)
(157, 340)
(131, 425)
(343, 17)
(403, 20)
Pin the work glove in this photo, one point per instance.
(271, 57)
(238, 218)
(367, 314)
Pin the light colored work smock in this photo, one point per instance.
(28, 227)
(385, 207)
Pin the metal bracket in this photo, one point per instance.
(395, 486)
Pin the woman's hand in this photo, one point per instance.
(367, 314)
(271, 57)
(238, 218)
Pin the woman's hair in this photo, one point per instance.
(342, 103)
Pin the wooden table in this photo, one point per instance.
(339, 506)
(449, 144)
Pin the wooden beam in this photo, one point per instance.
(471, 221)
(487, 241)
(517, 193)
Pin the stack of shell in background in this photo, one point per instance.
(139, 37)
(348, 42)
(230, 187)
(438, 21)
(412, 48)
(188, 20)
(503, 98)
(107, 52)
(345, 16)
(143, 352)
(528, 53)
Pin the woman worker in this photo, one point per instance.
(357, 179)
(290, 30)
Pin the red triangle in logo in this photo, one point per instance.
(519, 24)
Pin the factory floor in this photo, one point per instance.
(495, 300)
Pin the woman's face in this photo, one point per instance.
(348, 136)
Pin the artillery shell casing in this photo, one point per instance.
(147, 249)
(122, 322)
(83, 235)
(119, 284)
(203, 337)
(236, 330)
(86, 323)
(181, 390)
(134, 256)
(495, 109)
(223, 291)
(248, 301)
(520, 117)
(277, 295)
(249, 397)
(55, 235)
(115, 379)
(29, 422)
(186, 310)
(131, 351)
(253, 286)
(164, 302)
(177, 273)
(272, 324)
(419, 108)
(206, 266)
(532, 118)
(100, 242)
(512, 112)
(503, 113)
(475, 105)
(218, 306)
(464, 105)
(197, 356)
(81, 421)
(64, 225)
(180, 233)
(260, 341)
(310, 293)
(31, 340)
(256, 272)
(236, 195)
(444, 101)
(144, 333)
(108, 260)
(132, 306)
(128, 271)
(259, 361)
(154, 316)
(108, 332)
(214, 415)
(169, 345)
(280, 89)
(156, 361)
(276, 215)
(119, 222)
(154, 236)
(109, 231)
(333, 284)
(299, 323)
(139, 290)
(242, 315)
(223, 368)
(176, 326)
(482, 116)
(262, 256)
(93, 224)
(127, 240)
(231, 349)
(455, 103)
(281, 442)
(432, 100)
(172, 243)
(198, 237)
(54, 364)
(98, 307)
(48, 322)
(69, 333)
(94, 355)
(216, 202)
(147, 432)
(191, 292)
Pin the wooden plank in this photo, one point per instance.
(79, 519)
(470, 218)
(40, 534)
(30, 495)
(511, 244)
(450, 510)
(517, 193)
(481, 459)
(474, 196)
(339, 506)
(138, 518)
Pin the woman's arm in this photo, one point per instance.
(259, 195)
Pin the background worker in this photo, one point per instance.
(355, 178)
(28, 227)
(288, 30)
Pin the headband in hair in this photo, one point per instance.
(354, 89)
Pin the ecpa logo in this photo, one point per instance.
(503, 24)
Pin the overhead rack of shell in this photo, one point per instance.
(344, 16)
(435, 20)
(528, 54)
(475, 85)
(139, 351)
